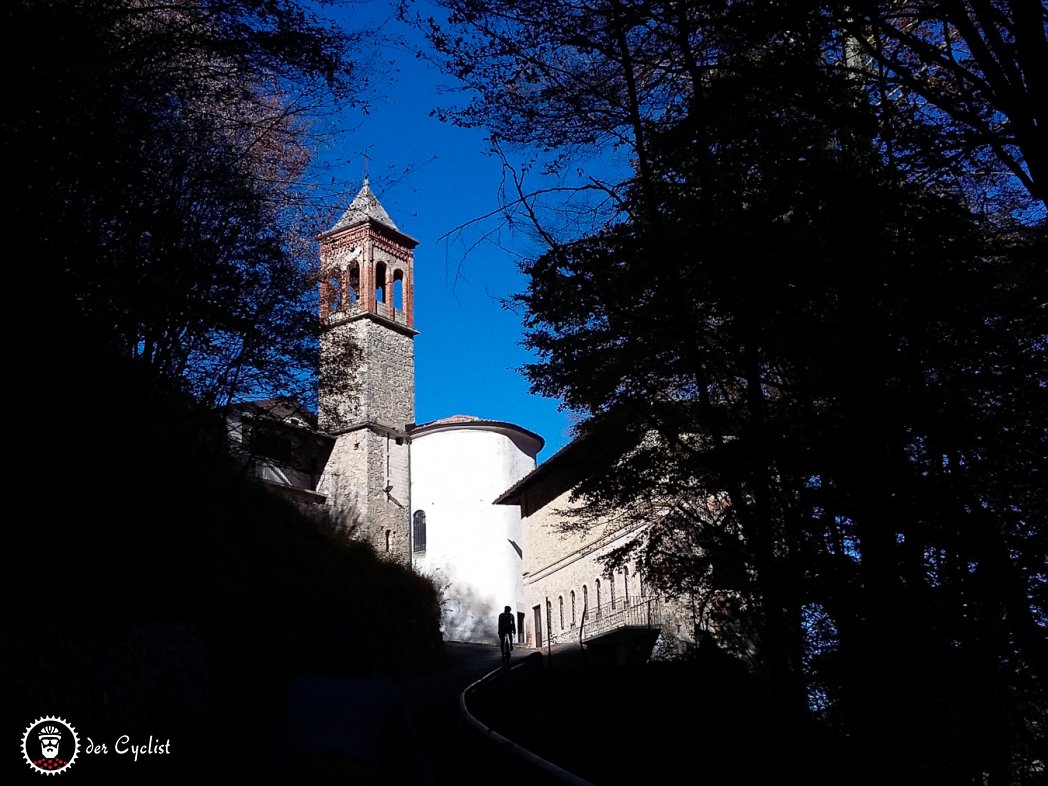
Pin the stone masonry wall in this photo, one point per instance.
(556, 564)
(368, 379)
(343, 369)
(367, 373)
(363, 464)
(389, 368)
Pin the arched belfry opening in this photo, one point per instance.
(398, 291)
(367, 370)
(380, 282)
(335, 293)
(353, 290)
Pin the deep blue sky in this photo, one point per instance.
(433, 177)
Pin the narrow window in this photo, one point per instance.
(335, 294)
(612, 585)
(398, 290)
(418, 531)
(560, 601)
(597, 586)
(381, 294)
(389, 535)
(354, 282)
(585, 603)
(573, 621)
(626, 584)
(643, 586)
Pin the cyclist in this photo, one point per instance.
(507, 628)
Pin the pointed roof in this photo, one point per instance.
(365, 205)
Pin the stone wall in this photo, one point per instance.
(389, 368)
(368, 481)
(557, 564)
(367, 373)
(368, 392)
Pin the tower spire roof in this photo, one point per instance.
(365, 205)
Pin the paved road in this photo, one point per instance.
(378, 732)
(458, 754)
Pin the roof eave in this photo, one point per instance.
(403, 237)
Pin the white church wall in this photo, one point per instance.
(472, 545)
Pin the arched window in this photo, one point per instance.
(561, 603)
(335, 293)
(612, 585)
(354, 282)
(643, 586)
(585, 603)
(418, 531)
(597, 586)
(573, 620)
(398, 289)
(626, 584)
(380, 282)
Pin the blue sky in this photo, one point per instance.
(433, 177)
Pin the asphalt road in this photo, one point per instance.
(456, 753)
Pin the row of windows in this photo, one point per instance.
(597, 601)
(418, 544)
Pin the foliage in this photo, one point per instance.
(146, 525)
(152, 155)
(972, 70)
(831, 352)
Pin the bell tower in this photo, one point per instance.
(367, 371)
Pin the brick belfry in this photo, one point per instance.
(367, 371)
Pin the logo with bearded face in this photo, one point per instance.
(50, 745)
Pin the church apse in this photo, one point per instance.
(471, 546)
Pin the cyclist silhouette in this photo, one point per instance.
(507, 627)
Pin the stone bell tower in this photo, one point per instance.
(367, 371)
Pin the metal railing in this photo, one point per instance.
(636, 613)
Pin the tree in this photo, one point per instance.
(154, 156)
(972, 69)
(823, 351)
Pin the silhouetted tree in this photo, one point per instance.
(972, 70)
(832, 364)
(152, 157)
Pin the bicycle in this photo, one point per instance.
(506, 645)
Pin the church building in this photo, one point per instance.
(444, 496)
(421, 494)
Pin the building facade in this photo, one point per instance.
(570, 592)
(421, 494)
(460, 498)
